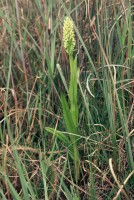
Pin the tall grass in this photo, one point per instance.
(34, 72)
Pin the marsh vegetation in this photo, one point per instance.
(66, 134)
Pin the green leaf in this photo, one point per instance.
(67, 117)
(23, 181)
(71, 129)
(2, 195)
(12, 190)
(74, 73)
(60, 135)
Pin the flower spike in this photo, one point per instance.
(68, 35)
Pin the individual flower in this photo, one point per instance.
(69, 41)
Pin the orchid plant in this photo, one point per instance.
(70, 107)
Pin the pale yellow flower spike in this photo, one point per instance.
(68, 35)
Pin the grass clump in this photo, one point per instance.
(83, 93)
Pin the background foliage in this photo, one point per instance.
(34, 73)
